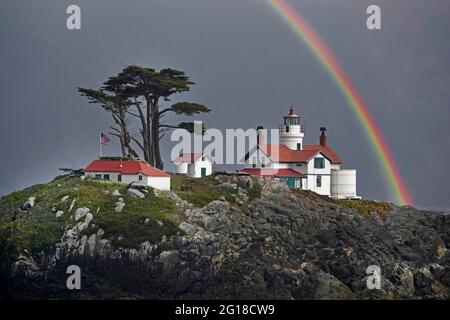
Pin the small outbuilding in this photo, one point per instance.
(194, 165)
(127, 171)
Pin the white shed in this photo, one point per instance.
(127, 171)
(194, 165)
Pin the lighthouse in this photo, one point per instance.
(292, 132)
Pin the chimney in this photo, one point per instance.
(323, 137)
(260, 136)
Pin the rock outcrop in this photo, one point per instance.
(280, 245)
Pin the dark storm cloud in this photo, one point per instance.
(248, 66)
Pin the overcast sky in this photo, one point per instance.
(248, 66)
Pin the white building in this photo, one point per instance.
(314, 167)
(194, 165)
(127, 171)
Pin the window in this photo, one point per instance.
(98, 176)
(106, 176)
(318, 181)
(203, 158)
(319, 163)
(140, 178)
(299, 164)
(263, 165)
(299, 146)
(119, 178)
(287, 128)
(291, 121)
(254, 165)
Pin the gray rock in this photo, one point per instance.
(72, 205)
(80, 213)
(119, 206)
(59, 213)
(28, 204)
(134, 193)
(246, 180)
(116, 193)
(228, 186)
(139, 185)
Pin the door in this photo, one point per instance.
(289, 181)
(203, 172)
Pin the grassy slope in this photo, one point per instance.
(39, 228)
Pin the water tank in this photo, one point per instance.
(343, 183)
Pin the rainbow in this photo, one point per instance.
(320, 50)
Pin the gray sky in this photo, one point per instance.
(248, 66)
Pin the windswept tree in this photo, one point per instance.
(117, 105)
(144, 93)
(151, 90)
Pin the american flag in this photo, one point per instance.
(104, 138)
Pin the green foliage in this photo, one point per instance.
(367, 206)
(189, 109)
(253, 191)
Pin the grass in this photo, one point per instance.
(200, 191)
(253, 192)
(366, 207)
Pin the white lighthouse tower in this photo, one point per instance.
(292, 132)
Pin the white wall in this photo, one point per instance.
(195, 169)
(182, 168)
(325, 173)
(335, 166)
(343, 183)
(126, 178)
(160, 183)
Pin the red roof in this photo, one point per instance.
(125, 167)
(188, 158)
(327, 151)
(288, 155)
(272, 172)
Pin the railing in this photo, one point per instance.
(299, 129)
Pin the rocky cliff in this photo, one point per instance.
(216, 238)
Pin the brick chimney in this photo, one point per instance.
(323, 137)
(260, 135)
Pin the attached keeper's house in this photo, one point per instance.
(315, 167)
(127, 171)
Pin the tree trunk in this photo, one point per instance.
(150, 156)
(155, 133)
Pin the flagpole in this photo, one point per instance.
(100, 143)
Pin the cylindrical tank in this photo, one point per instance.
(343, 183)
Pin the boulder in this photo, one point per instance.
(135, 193)
(80, 213)
(28, 204)
(116, 193)
(228, 186)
